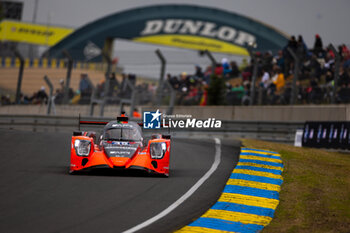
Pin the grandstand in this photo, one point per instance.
(283, 71)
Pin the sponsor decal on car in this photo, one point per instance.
(120, 143)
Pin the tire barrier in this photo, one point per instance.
(250, 197)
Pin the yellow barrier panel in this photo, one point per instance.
(44, 61)
(17, 63)
(61, 63)
(91, 66)
(7, 62)
(26, 63)
(53, 63)
(36, 63)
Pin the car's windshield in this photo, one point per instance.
(122, 134)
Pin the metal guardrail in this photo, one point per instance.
(270, 131)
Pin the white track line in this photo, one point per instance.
(184, 197)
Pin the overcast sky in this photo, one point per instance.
(328, 18)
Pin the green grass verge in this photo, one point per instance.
(315, 194)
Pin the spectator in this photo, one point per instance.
(234, 70)
(247, 74)
(24, 99)
(238, 93)
(243, 65)
(345, 53)
(226, 67)
(344, 78)
(174, 82)
(314, 92)
(184, 82)
(5, 100)
(152, 88)
(288, 59)
(76, 97)
(267, 61)
(302, 50)
(219, 70)
(265, 80)
(329, 77)
(279, 79)
(246, 96)
(287, 94)
(192, 98)
(315, 67)
(58, 96)
(136, 114)
(279, 60)
(183, 86)
(207, 74)
(113, 84)
(318, 46)
(199, 73)
(85, 89)
(344, 93)
(204, 98)
(84, 85)
(41, 97)
(300, 92)
(62, 85)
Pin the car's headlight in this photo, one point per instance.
(157, 150)
(82, 147)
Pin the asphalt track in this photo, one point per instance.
(38, 195)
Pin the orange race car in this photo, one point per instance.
(120, 146)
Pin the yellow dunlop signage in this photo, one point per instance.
(193, 42)
(183, 26)
(32, 33)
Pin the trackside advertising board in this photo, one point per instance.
(22, 32)
(327, 134)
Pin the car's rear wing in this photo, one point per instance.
(91, 123)
(122, 119)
